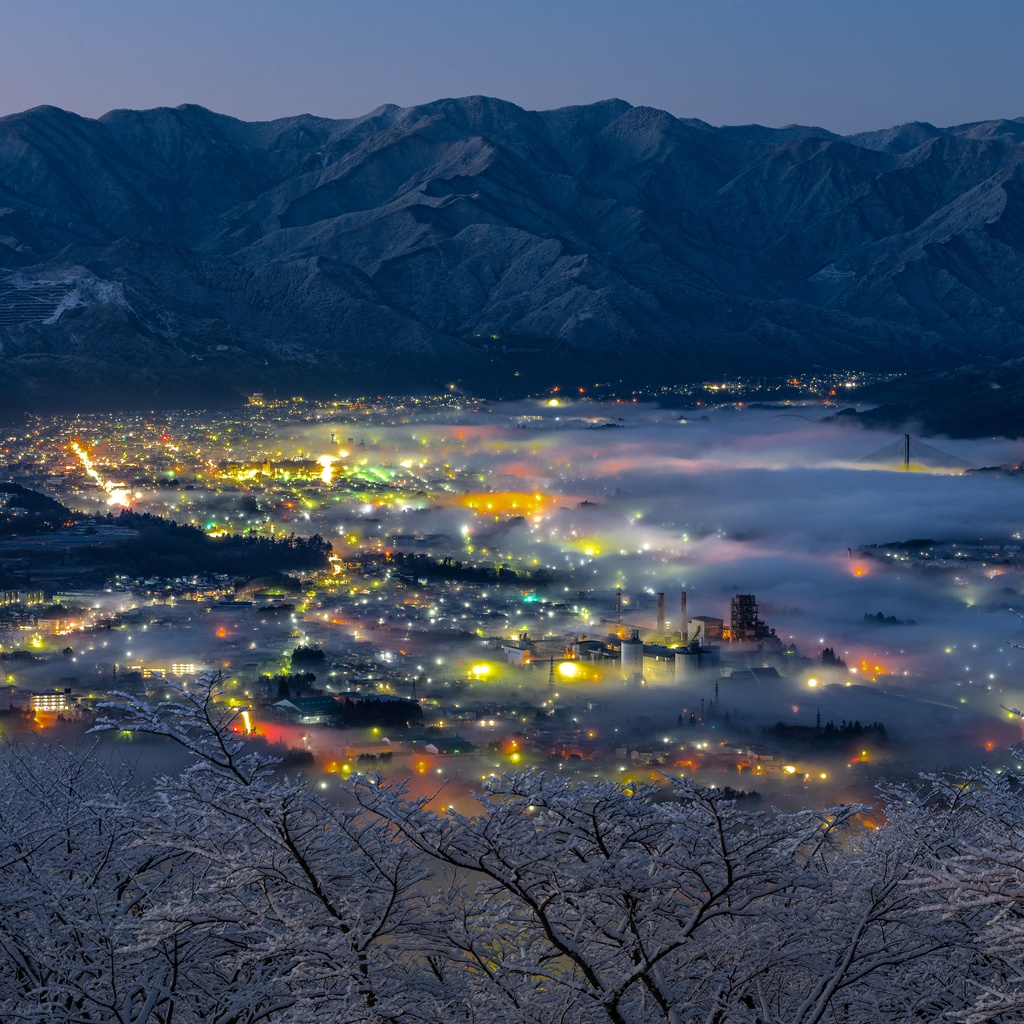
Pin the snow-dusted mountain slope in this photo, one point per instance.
(151, 257)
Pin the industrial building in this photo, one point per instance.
(693, 660)
(706, 628)
(656, 663)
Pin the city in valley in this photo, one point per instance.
(728, 582)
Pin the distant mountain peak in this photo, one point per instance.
(180, 252)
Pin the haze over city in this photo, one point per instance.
(859, 542)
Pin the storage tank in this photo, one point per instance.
(631, 653)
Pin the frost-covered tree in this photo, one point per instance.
(592, 903)
(75, 885)
(598, 903)
(306, 910)
(975, 879)
(231, 893)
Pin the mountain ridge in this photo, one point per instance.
(179, 252)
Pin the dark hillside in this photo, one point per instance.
(177, 256)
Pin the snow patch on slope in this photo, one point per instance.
(88, 291)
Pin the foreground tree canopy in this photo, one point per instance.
(229, 894)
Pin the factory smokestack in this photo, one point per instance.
(618, 606)
(684, 623)
(661, 613)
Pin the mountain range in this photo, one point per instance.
(178, 256)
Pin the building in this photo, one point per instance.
(583, 649)
(659, 663)
(705, 628)
(53, 703)
(518, 652)
(694, 659)
(306, 710)
(745, 626)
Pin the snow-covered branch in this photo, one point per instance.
(230, 893)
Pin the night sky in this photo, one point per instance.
(849, 65)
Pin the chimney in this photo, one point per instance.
(661, 613)
(684, 623)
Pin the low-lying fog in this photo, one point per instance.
(769, 502)
(778, 503)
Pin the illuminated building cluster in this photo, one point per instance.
(490, 562)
